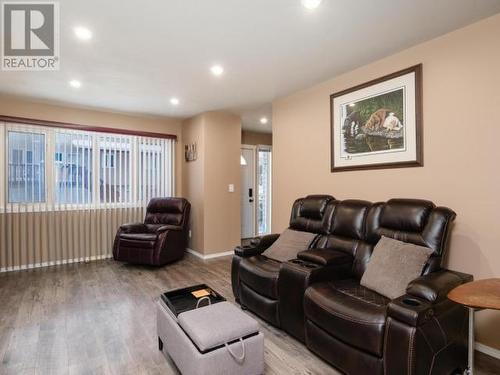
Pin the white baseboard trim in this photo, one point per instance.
(492, 352)
(55, 263)
(209, 256)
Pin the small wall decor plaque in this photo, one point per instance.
(190, 152)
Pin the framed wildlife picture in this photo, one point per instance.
(378, 124)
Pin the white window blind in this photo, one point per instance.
(26, 166)
(73, 178)
(64, 192)
(127, 170)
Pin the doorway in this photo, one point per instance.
(248, 169)
(255, 190)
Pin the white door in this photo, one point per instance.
(247, 191)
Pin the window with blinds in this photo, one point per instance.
(61, 167)
(64, 192)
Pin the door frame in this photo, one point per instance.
(254, 185)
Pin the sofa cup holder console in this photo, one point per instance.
(411, 302)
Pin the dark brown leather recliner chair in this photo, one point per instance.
(161, 239)
(255, 277)
(362, 332)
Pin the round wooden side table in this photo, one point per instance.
(476, 295)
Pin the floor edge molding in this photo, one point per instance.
(209, 256)
(55, 263)
(485, 349)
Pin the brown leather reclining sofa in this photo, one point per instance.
(318, 299)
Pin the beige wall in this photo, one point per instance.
(222, 167)
(461, 81)
(216, 212)
(255, 138)
(13, 106)
(193, 178)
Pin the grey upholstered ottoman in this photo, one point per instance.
(216, 339)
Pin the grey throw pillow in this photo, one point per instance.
(288, 244)
(393, 265)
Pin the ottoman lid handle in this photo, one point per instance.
(203, 298)
(237, 358)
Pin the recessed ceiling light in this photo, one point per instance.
(217, 70)
(174, 101)
(311, 4)
(75, 83)
(82, 33)
(264, 120)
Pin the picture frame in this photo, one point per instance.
(190, 152)
(378, 124)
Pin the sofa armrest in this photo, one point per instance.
(325, 257)
(434, 322)
(410, 310)
(247, 251)
(264, 242)
(435, 286)
(257, 246)
(134, 228)
(426, 296)
(165, 228)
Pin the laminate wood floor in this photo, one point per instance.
(99, 318)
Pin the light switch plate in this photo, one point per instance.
(230, 188)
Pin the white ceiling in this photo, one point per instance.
(145, 52)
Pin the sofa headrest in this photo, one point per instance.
(313, 206)
(406, 214)
(169, 211)
(312, 214)
(355, 226)
(349, 218)
(166, 205)
(411, 220)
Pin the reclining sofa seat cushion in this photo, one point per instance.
(355, 315)
(258, 275)
(349, 312)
